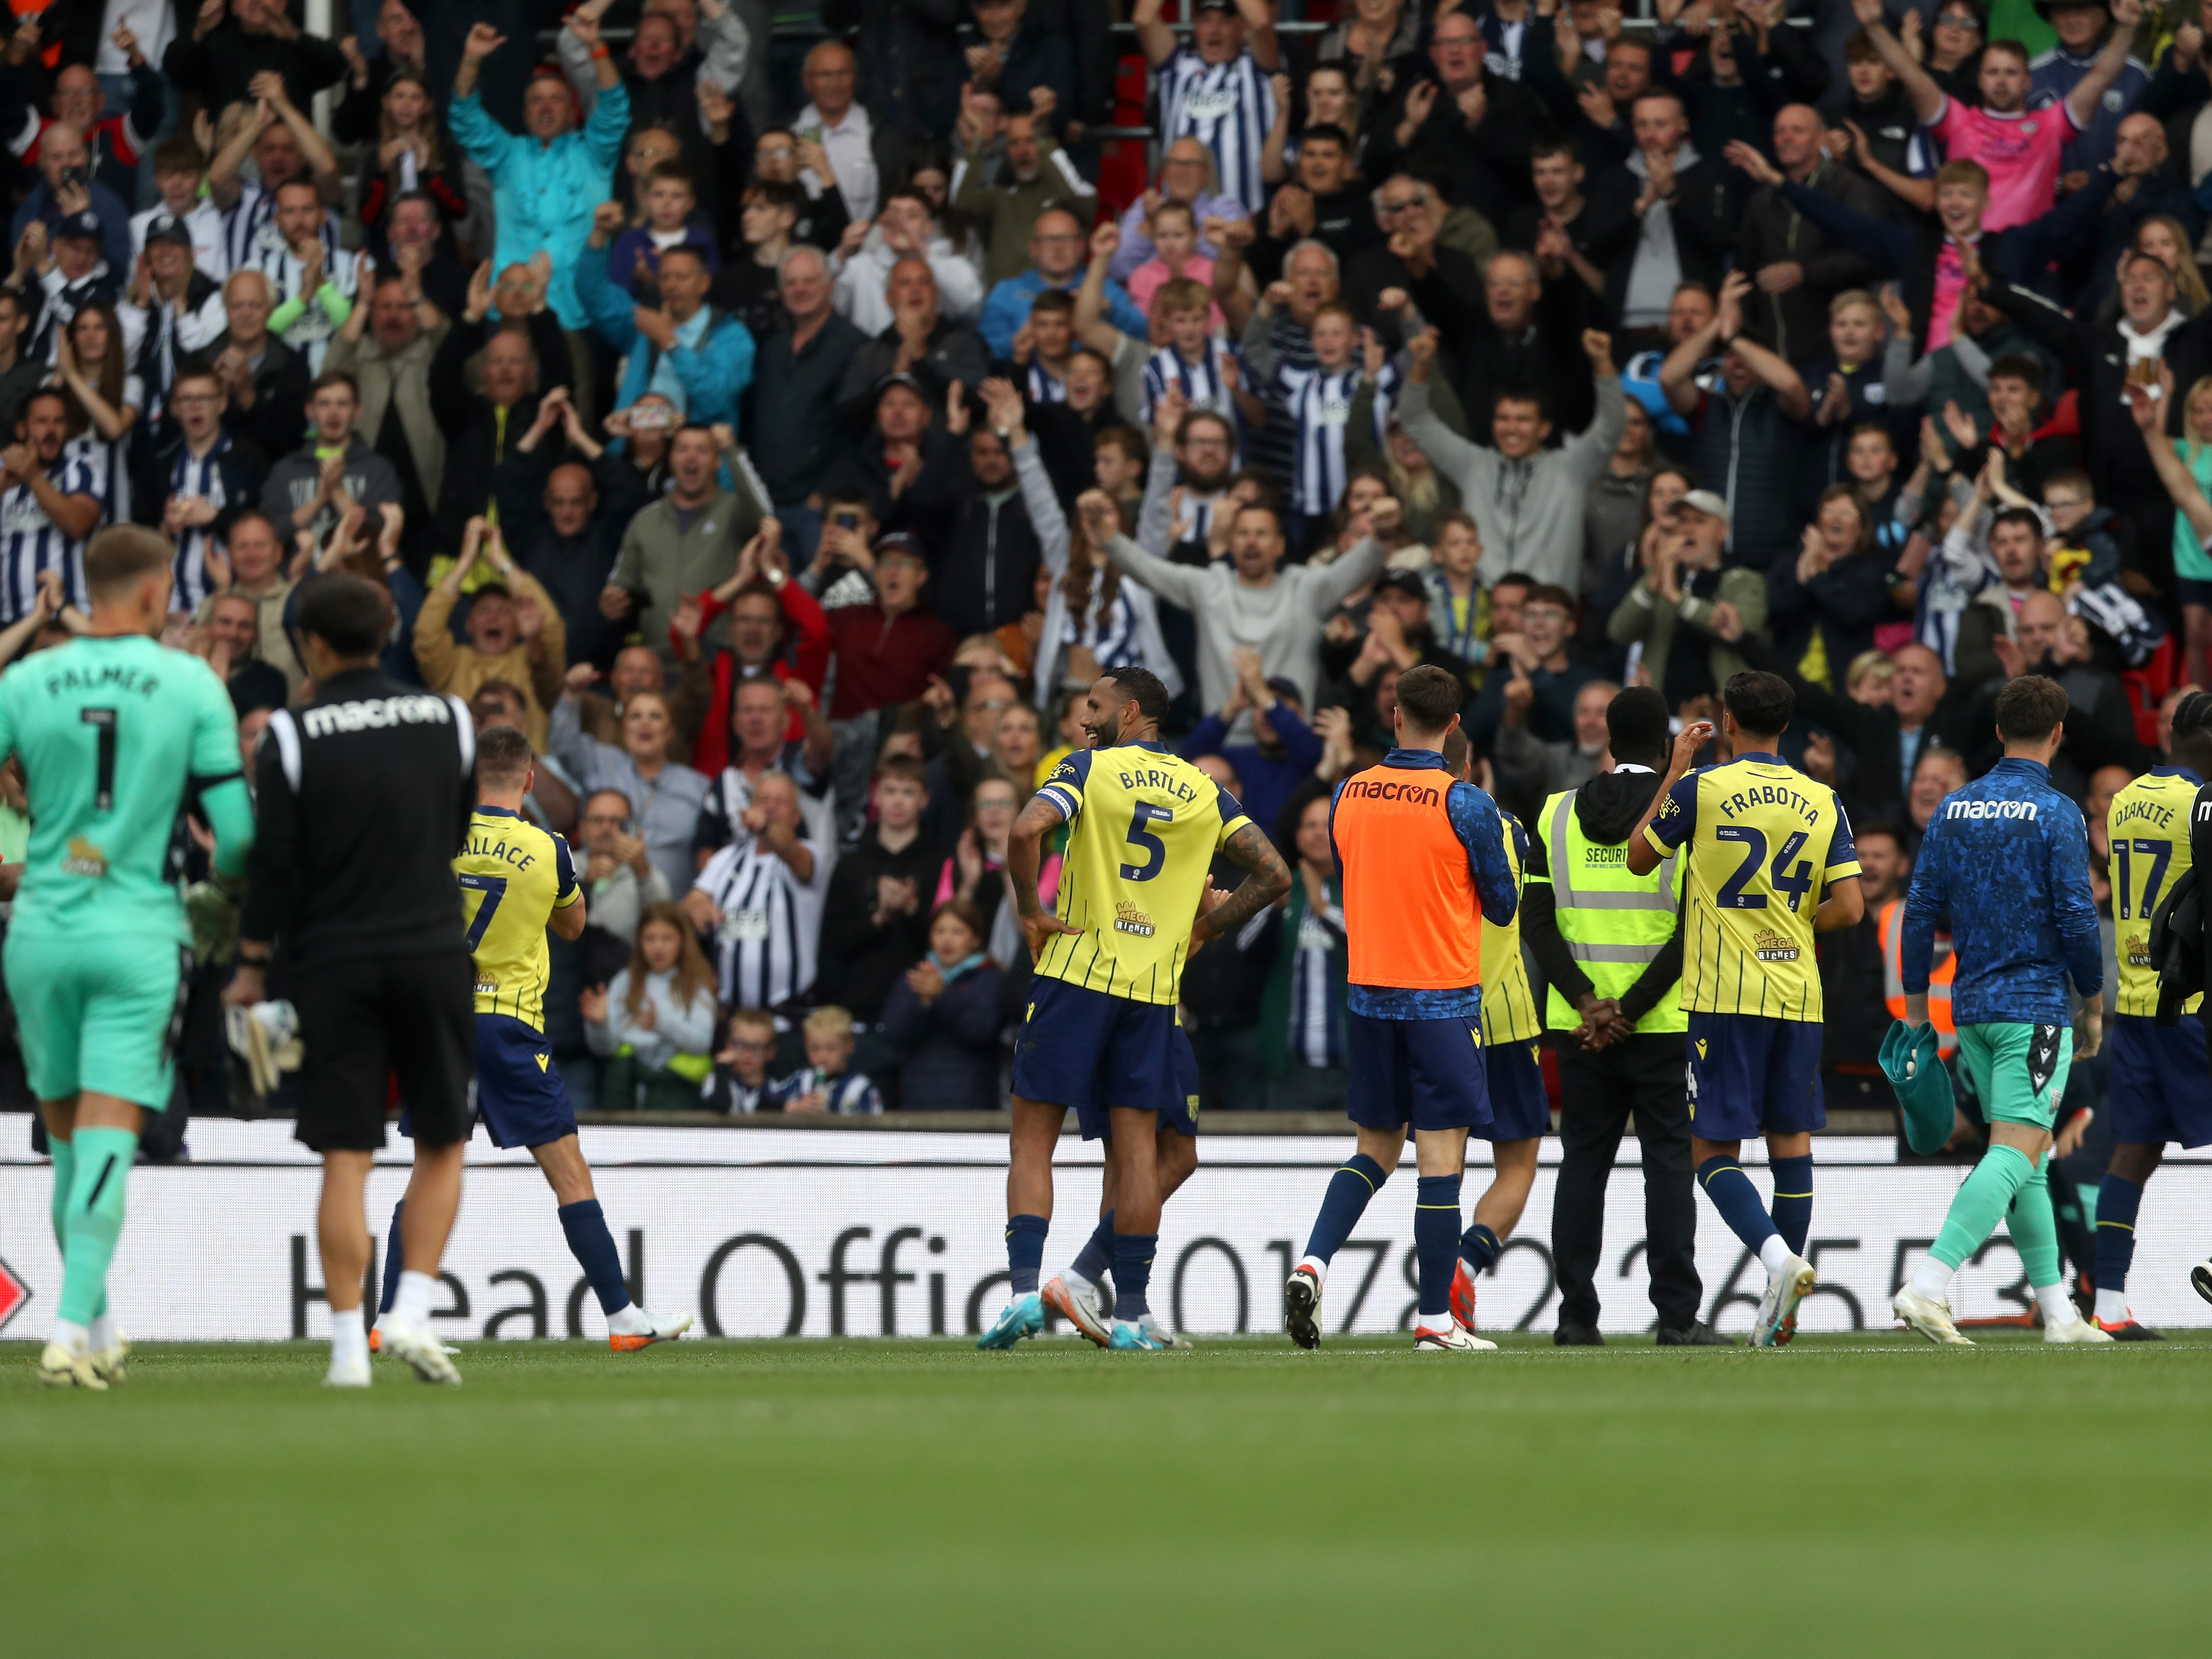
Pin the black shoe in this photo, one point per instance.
(2131, 1331)
(1695, 1334)
(1577, 1336)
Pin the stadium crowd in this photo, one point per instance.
(1562, 351)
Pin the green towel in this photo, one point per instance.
(1909, 1060)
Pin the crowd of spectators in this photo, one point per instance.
(785, 439)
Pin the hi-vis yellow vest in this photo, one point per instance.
(1613, 922)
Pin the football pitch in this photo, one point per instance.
(1854, 1495)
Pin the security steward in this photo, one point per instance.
(363, 799)
(1610, 945)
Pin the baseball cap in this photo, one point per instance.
(1407, 583)
(1287, 689)
(911, 382)
(899, 542)
(1212, 5)
(1706, 501)
(79, 224)
(167, 227)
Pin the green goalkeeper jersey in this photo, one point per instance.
(112, 734)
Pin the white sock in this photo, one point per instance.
(629, 1320)
(102, 1332)
(1437, 1322)
(1774, 1255)
(72, 1336)
(348, 1339)
(2057, 1307)
(1932, 1278)
(2112, 1305)
(412, 1305)
(1076, 1282)
(1316, 1267)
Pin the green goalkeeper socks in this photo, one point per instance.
(65, 1157)
(2034, 1230)
(94, 1218)
(1979, 1205)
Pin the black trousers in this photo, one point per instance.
(1598, 1091)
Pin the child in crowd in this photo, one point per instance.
(1044, 345)
(672, 220)
(1195, 359)
(1174, 231)
(179, 170)
(829, 1084)
(740, 1083)
(942, 1018)
(1459, 610)
(655, 1023)
(1319, 400)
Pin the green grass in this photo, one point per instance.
(1852, 1495)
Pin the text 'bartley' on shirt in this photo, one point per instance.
(1143, 778)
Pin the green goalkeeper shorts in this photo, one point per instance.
(2018, 1072)
(100, 1013)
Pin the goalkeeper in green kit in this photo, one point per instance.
(116, 734)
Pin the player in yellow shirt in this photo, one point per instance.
(1512, 1060)
(1099, 1034)
(516, 880)
(1771, 864)
(2161, 1091)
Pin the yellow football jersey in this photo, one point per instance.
(1510, 1013)
(1765, 843)
(2148, 827)
(1146, 825)
(514, 876)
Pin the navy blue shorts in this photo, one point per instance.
(519, 1091)
(1083, 1049)
(1519, 1107)
(1427, 1073)
(2192, 591)
(1750, 1076)
(2161, 1088)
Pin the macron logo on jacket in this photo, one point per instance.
(1956, 808)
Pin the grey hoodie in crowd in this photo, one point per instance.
(1529, 511)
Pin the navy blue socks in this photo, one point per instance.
(1132, 1275)
(395, 1261)
(1357, 1181)
(1025, 1252)
(1435, 1243)
(1737, 1199)
(2117, 1200)
(1096, 1255)
(1793, 1200)
(593, 1247)
(1481, 1248)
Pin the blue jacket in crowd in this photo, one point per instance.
(711, 372)
(546, 193)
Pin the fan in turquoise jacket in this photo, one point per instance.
(712, 363)
(546, 188)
